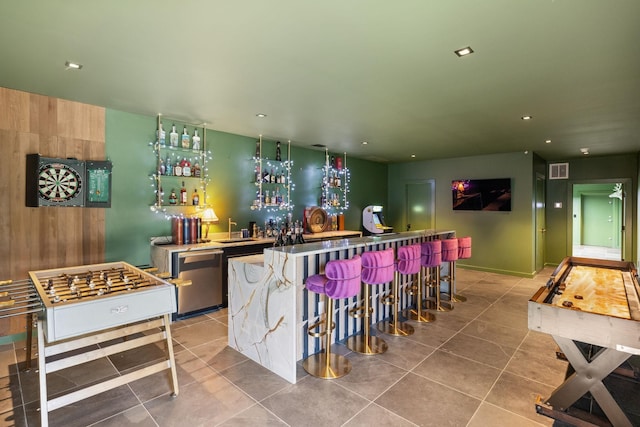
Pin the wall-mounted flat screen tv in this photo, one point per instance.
(481, 194)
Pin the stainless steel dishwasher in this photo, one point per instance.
(204, 269)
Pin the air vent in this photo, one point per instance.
(559, 171)
(319, 145)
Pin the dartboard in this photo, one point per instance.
(58, 182)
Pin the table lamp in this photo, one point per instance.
(208, 217)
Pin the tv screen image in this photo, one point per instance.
(481, 194)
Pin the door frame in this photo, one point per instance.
(626, 220)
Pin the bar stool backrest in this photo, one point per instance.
(464, 247)
(378, 266)
(431, 253)
(408, 259)
(343, 277)
(450, 250)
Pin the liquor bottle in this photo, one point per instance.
(272, 177)
(278, 197)
(168, 167)
(278, 154)
(257, 149)
(173, 136)
(265, 176)
(267, 198)
(258, 174)
(195, 140)
(177, 169)
(195, 198)
(196, 171)
(338, 182)
(161, 135)
(160, 197)
(185, 138)
(161, 168)
(186, 167)
(183, 195)
(173, 199)
(283, 178)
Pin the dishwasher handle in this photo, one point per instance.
(199, 254)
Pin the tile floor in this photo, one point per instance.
(477, 365)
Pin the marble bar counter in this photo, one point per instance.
(270, 309)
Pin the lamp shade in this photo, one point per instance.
(209, 216)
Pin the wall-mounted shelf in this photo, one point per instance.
(181, 157)
(272, 178)
(335, 184)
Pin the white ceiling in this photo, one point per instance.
(339, 72)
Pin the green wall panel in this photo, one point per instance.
(130, 223)
(502, 241)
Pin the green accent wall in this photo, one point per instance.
(503, 242)
(130, 223)
(584, 170)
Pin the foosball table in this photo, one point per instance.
(88, 312)
(592, 302)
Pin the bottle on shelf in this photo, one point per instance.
(196, 171)
(278, 153)
(267, 198)
(265, 176)
(161, 134)
(272, 177)
(278, 200)
(186, 167)
(257, 149)
(160, 196)
(183, 195)
(168, 167)
(173, 136)
(177, 169)
(173, 199)
(185, 138)
(258, 174)
(195, 198)
(195, 140)
(161, 168)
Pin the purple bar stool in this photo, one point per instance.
(341, 279)
(431, 258)
(450, 255)
(464, 252)
(377, 268)
(408, 263)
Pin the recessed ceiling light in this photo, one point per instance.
(464, 51)
(413, 156)
(584, 151)
(547, 141)
(72, 65)
(526, 117)
(364, 142)
(261, 115)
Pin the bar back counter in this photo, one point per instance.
(270, 309)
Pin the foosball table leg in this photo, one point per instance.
(42, 374)
(169, 345)
(31, 319)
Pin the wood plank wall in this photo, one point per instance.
(45, 237)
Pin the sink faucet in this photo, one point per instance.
(231, 223)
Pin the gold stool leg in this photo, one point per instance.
(365, 343)
(419, 314)
(326, 364)
(455, 297)
(395, 327)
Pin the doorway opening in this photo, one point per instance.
(598, 220)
